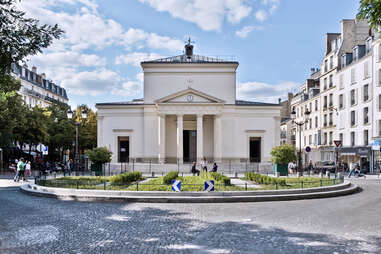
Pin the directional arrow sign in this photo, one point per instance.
(209, 185)
(176, 185)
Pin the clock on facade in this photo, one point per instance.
(190, 97)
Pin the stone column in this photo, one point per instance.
(180, 138)
(100, 131)
(161, 135)
(200, 138)
(217, 138)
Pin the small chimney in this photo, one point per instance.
(34, 69)
(313, 70)
(25, 66)
(279, 100)
(43, 75)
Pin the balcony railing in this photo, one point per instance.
(330, 123)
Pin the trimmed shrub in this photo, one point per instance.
(261, 179)
(126, 178)
(220, 177)
(173, 175)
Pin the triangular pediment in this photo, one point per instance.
(189, 95)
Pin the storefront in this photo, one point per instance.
(360, 155)
(327, 154)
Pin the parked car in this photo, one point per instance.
(324, 166)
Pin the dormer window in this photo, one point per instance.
(368, 45)
(355, 53)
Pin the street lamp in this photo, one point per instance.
(300, 124)
(76, 124)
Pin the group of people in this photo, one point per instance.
(354, 169)
(22, 170)
(204, 167)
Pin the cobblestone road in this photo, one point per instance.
(350, 224)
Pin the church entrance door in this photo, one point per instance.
(190, 145)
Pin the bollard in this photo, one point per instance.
(153, 174)
(276, 185)
(137, 186)
(298, 174)
(245, 186)
(235, 175)
(104, 185)
(321, 174)
(301, 184)
(328, 174)
(321, 182)
(277, 174)
(77, 184)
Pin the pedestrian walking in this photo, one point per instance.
(28, 171)
(352, 168)
(204, 165)
(69, 166)
(20, 170)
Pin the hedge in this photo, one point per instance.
(170, 176)
(126, 178)
(220, 177)
(261, 179)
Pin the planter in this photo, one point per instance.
(282, 169)
(97, 168)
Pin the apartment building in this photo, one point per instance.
(36, 89)
(346, 99)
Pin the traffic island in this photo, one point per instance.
(342, 189)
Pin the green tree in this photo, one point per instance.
(370, 10)
(19, 37)
(283, 154)
(87, 129)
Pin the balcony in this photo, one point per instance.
(353, 102)
(283, 134)
(330, 123)
(366, 97)
(293, 137)
(353, 123)
(34, 93)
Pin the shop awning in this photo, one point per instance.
(360, 151)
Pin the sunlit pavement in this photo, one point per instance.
(349, 224)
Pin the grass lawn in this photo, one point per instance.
(188, 183)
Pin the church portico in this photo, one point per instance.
(188, 112)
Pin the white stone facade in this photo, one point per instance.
(189, 111)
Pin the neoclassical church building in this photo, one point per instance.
(189, 111)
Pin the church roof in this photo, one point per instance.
(253, 103)
(190, 59)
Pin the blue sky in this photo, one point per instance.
(275, 41)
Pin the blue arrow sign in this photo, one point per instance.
(209, 185)
(176, 185)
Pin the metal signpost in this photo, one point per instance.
(338, 144)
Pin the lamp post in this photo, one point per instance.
(76, 124)
(300, 124)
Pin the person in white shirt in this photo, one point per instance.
(28, 171)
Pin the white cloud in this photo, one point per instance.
(258, 91)
(91, 83)
(136, 57)
(261, 15)
(130, 89)
(208, 15)
(244, 32)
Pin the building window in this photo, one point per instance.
(353, 76)
(343, 58)
(326, 65)
(315, 139)
(353, 97)
(366, 118)
(331, 138)
(325, 120)
(330, 81)
(325, 84)
(310, 139)
(341, 137)
(310, 123)
(379, 76)
(305, 143)
(355, 54)
(366, 137)
(368, 45)
(316, 122)
(366, 70)
(330, 119)
(310, 107)
(341, 101)
(353, 118)
(316, 105)
(366, 92)
(325, 103)
(331, 100)
(325, 138)
(379, 102)
(353, 141)
(379, 128)
(341, 81)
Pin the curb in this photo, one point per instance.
(189, 197)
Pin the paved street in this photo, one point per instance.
(349, 224)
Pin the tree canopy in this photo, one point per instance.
(370, 10)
